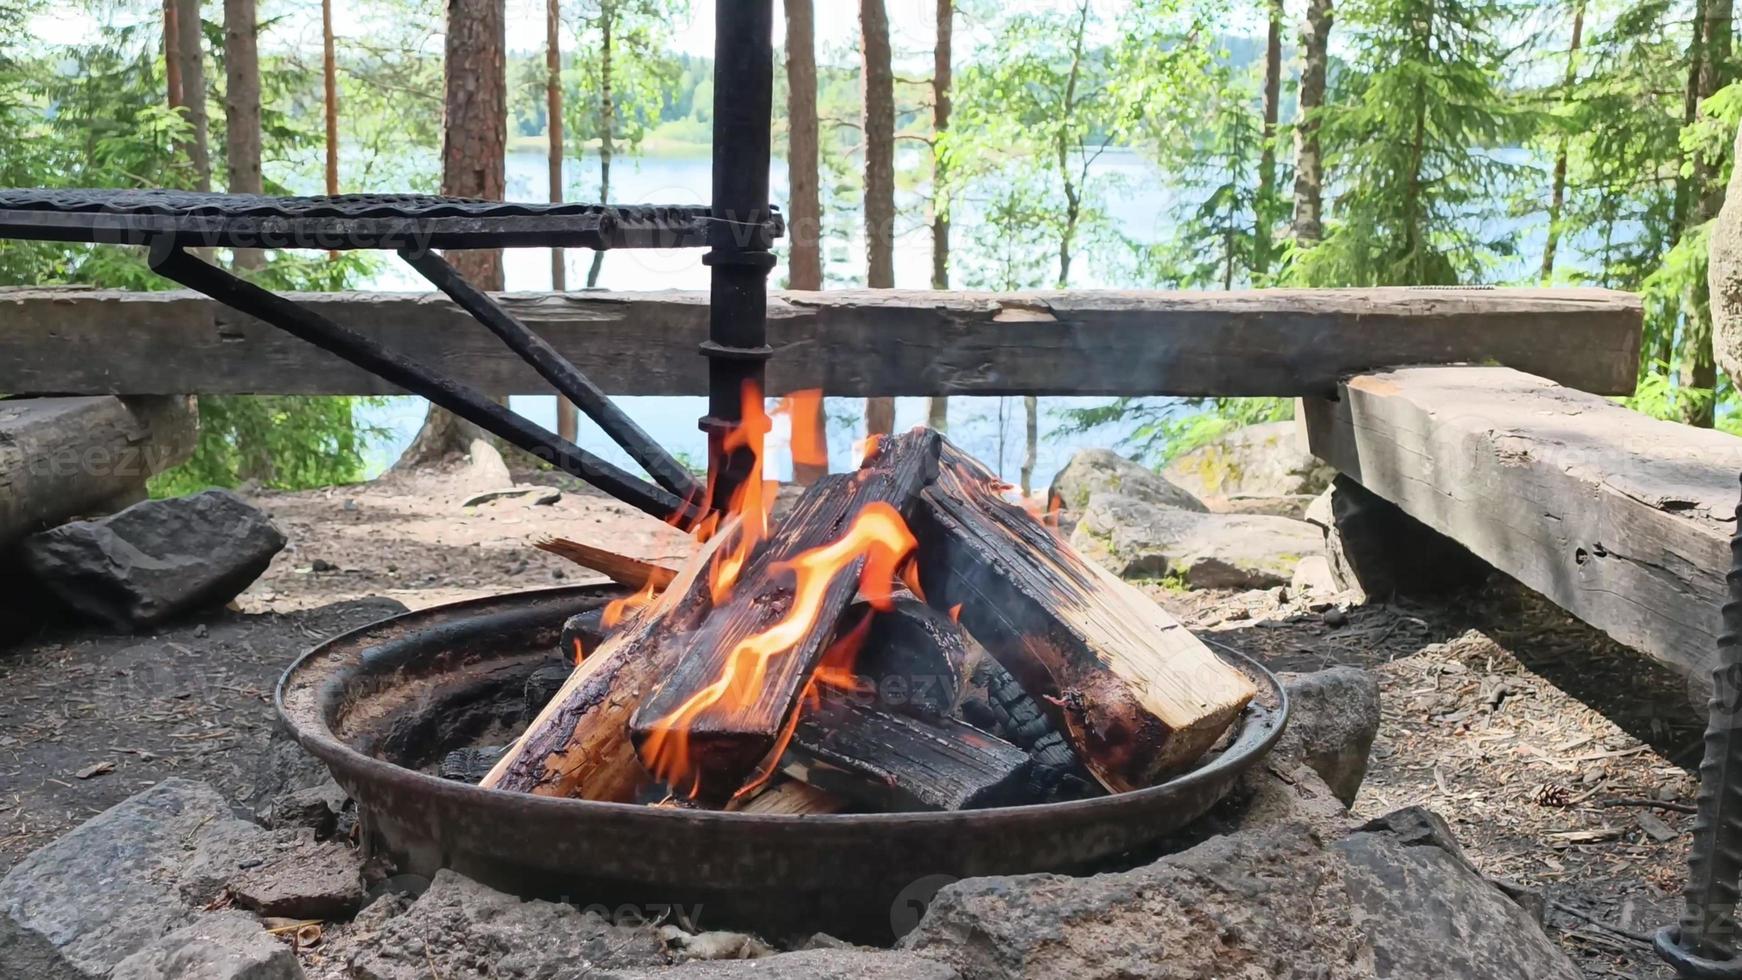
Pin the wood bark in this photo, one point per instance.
(1309, 163)
(853, 343)
(804, 226)
(579, 745)
(622, 569)
(878, 95)
(191, 50)
(893, 762)
(1618, 518)
(1712, 71)
(242, 110)
(607, 122)
(804, 220)
(568, 417)
(1558, 184)
(172, 54)
(729, 737)
(330, 94)
(937, 413)
(474, 141)
(1267, 154)
(1136, 694)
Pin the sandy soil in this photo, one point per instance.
(1518, 724)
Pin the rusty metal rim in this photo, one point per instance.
(1260, 727)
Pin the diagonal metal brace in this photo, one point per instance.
(556, 369)
(171, 262)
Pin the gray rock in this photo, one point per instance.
(1724, 277)
(303, 879)
(1276, 902)
(462, 929)
(813, 964)
(1093, 471)
(225, 850)
(1333, 718)
(1377, 550)
(317, 808)
(79, 906)
(716, 945)
(1253, 461)
(1312, 577)
(156, 559)
(1136, 539)
(215, 946)
(287, 767)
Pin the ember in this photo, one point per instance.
(780, 653)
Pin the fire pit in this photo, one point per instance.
(383, 704)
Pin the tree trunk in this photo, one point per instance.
(242, 110)
(191, 50)
(1558, 190)
(1309, 162)
(171, 55)
(607, 125)
(1706, 197)
(938, 409)
(1031, 441)
(330, 89)
(1267, 153)
(568, 419)
(474, 138)
(804, 205)
(879, 97)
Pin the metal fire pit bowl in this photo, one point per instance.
(381, 703)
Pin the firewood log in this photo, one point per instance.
(579, 744)
(891, 761)
(790, 798)
(1136, 694)
(731, 692)
(621, 569)
(915, 657)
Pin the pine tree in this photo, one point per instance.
(1407, 132)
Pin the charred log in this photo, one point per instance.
(889, 761)
(722, 706)
(1002, 707)
(1135, 693)
(469, 765)
(916, 658)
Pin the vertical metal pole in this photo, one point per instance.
(739, 255)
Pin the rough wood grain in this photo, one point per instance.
(622, 569)
(66, 457)
(1137, 694)
(1620, 519)
(579, 745)
(890, 761)
(726, 737)
(850, 343)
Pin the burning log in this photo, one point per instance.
(895, 762)
(916, 658)
(732, 690)
(791, 798)
(1135, 693)
(579, 744)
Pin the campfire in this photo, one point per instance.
(910, 636)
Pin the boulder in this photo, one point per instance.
(1136, 539)
(215, 946)
(1313, 578)
(1376, 550)
(1333, 719)
(1264, 460)
(810, 964)
(1093, 471)
(1724, 277)
(156, 559)
(302, 879)
(76, 908)
(460, 928)
(1272, 902)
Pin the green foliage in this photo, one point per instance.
(1160, 430)
(1411, 134)
(284, 442)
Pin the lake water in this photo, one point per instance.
(990, 428)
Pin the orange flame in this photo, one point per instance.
(580, 652)
(877, 535)
(752, 501)
(809, 444)
(956, 613)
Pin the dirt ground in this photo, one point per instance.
(1533, 735)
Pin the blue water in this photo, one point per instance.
(990, 428)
